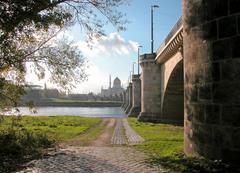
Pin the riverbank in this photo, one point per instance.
(74, 103)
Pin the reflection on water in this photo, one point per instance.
(76, 111)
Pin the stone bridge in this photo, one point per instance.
(194, 79)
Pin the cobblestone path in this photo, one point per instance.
(111, 159)
(124, 134)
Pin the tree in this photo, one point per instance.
(27, 29)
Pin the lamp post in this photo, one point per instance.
(133, 67)
(130, 76)
(152, 7)
(138, 58)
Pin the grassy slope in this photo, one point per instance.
(58, 128)
(164, 144)
(161, 140)
(30, 135)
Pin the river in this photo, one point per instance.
(116, 112)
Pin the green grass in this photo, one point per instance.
(25, 138)
(160, 139)
(164, 145)
(90, 135)
(58, 128)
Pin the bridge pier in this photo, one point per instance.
(123, 99)
(129, 106)
(212, 78)
(136, 96)
(150, 89)
(126, 99)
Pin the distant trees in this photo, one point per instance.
(27, 29)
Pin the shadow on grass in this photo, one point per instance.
(183, 164)
(18, 147)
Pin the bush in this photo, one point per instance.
(19, 146)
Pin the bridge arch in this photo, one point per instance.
(173, 95)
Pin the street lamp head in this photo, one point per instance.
(155, 6)
(139, 46)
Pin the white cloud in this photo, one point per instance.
(111, 45)
(110, 54)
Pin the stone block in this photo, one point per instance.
(221, 50)
(212, 72)
(203, 134)
(198, 112)
(236, 138)
(231, 155)
(149, 117)
(209, 31)
(231, 115)
(212, 152)
(234, 6)
(227, 27)
(188, 112)
(231, 70)
(222, 135)
(205, 92)
(212, 114)
(226, 92)
(236, 47)
(214, 9)
(238, 24)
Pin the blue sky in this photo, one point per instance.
(115, 53)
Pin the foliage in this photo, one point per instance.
(17, 147)
(27, 29)
(24, 138)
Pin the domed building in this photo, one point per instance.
(117, 83)
(114, 90)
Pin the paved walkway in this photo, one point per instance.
(118, 158)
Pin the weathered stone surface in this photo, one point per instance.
(150, 88)
(227, 27)
(234, 6)
(136, 96)
(222, 49)
(212, 83)
(130, 101)
(126, 98)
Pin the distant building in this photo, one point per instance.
(114, 90)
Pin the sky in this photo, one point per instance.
(115, 53)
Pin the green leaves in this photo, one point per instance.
(26, 31)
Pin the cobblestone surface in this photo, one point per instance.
(132, 137)
(124, 134)
(119, 137)
(110, 159)
(93, 160)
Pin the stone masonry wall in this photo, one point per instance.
(129, 98)
(150, 89)
(136, 96)
(126, 98)
(212, 78)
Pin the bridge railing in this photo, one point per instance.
(175, 28)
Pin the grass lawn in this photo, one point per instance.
(164, 144)
(58, 128)
(24, 139)
(160, 139)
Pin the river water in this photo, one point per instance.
(116, 112)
